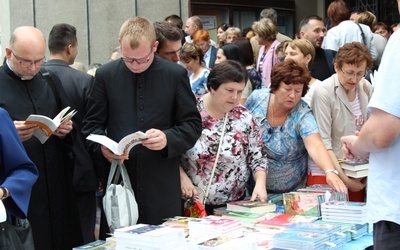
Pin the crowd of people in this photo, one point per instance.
(250, 114)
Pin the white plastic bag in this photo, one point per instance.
(119, 201)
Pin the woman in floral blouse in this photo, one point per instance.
(242, 153)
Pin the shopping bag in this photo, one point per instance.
(120, 206)
(194, 207)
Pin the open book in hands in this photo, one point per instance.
(47, 125)
(124, 145)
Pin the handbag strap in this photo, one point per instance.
(216, 159)
(117, 170)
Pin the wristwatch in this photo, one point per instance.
(332, 170)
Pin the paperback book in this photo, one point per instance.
(356, 174)
(124, 145)
(149, 235)
(251, 206)
(303, 203)
(355, 165)
(245, 217)
(47, 125)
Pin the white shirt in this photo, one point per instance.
(384, 174)
(206, 57)
(347, 32)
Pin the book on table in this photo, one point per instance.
(251, 206)
(97, 245)
(303, 203)
(47, 125)
(245, 217)
(149, 235)
(283, 220)
(124, 145)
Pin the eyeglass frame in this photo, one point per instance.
(350, 76)
(137, 60)
(23, 62)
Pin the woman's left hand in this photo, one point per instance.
(336, 183)
(259, 192)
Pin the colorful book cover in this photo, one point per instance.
(301, 203)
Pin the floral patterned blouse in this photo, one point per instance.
(286, 151)
(242, 153)
(199, 85)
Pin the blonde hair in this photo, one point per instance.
(304, 45)
(367, 18)
(265, 29)
(233, 30)
(137, 30)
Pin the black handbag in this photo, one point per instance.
(16, 236)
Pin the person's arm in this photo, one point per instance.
(187, 128)
(19, 172)
(187, 187)
(318, 153)
(378, 133)
(260, 188)
(257, 161)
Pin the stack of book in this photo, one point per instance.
(355, 168)
(213, 226)
(284, 220)
(301, 240)
(307, 201)
(344, 211)
(248, 212)
(358, 230)
(345, 229)
(154, 237)
(224, 243)
(97, 245)
(335, 237)
(251, 206)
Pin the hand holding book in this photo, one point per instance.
(48, 126)
(121, 147)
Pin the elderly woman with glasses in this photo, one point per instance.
(339, 105)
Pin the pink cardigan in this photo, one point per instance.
(269, 60)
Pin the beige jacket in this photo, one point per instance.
(332, 111)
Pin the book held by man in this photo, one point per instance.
(124, 145)
(47, 125)
(355, 168)
(251, 206)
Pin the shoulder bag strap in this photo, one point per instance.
(216, 159)
(362, 34)
(46, 75)
(329, 59)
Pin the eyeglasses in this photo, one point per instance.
(145, 59)
(352, 74)
(28, 63)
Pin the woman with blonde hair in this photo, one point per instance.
(232, 33)
(266, 32)
(302, 51)
(192, 59)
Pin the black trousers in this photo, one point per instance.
(386, 235)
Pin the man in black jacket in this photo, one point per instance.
(313, 29)
(63, 46)
(142, 92)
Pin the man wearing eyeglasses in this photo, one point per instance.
(24, 91)
(142, 92)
